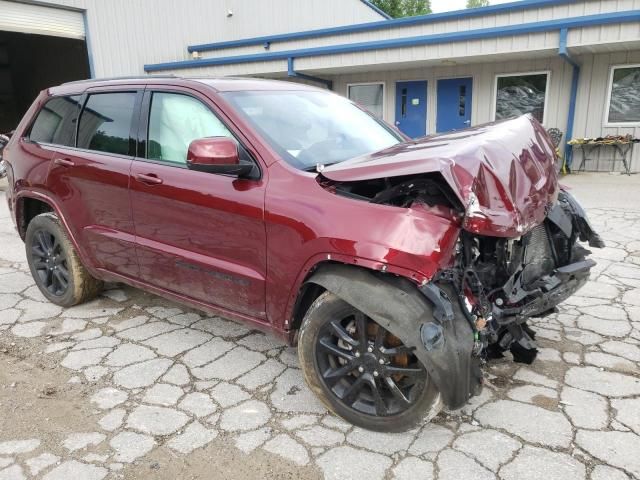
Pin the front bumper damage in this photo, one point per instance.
(455, 323)
(497, 314)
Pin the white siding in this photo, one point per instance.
(527, 42)
(126, 34)
(592, 104)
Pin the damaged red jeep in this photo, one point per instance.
(398, 267)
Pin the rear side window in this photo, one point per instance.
(56, 122)
(176, 120)
(105, 123)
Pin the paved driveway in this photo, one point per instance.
(133, 386)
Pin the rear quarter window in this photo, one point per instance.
(56, 121)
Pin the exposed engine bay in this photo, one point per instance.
(429, 189)
(502, 282)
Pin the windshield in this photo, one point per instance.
(308, 128)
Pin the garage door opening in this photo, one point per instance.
(30, 63)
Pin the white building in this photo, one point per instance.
(575, 64)
(45, 43)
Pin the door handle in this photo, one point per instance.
(467, 122)
(149, 178)
(64, 162)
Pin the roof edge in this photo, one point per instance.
(377, 9)
(266, 40)
(518, 29)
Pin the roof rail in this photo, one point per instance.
(108, 79)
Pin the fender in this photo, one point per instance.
(21, 194)
(397, 304)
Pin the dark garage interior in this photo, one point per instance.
(30, 63)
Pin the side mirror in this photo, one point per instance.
(217, 155)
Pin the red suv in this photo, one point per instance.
(397, 267)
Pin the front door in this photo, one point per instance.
(198, 234)
(454, 104)
(411, 108)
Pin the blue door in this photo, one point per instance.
(411, 108)
(454, 104)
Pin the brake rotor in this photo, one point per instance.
(390, 341)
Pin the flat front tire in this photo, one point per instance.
(362, 372)
(55, 264)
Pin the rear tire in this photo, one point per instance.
(55, 265)
(336, 359)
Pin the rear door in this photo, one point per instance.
(199, 234)
(90, 181)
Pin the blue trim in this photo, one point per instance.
(87, 39)
(562, 50)
(382, 24)
(376, 9)
(291, 72)
(575, 79)
(534, 27)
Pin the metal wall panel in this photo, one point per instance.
(592, 104)
(524, 42)
(126, 34)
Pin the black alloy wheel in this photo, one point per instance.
(367, 368)
(49, 261)
(54, 263)
(361, 371)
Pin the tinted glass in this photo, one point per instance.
(309, 128)
(624, 104)
(106, 121)
(521, 94)
(56, 122)
(174, 122)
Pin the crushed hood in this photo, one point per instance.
(503, 173)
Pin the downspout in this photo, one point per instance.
(564, 53)
(291, 72)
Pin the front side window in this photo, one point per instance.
(176, 120)
(520, 94)
(368, 96)
(105, 123)
(56, 122)
(624, 99)
(308, 128)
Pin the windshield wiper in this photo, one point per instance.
(320, 166)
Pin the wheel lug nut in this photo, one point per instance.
(361, 369)
(375, 374)
(370, 349)
(381, 361)
(357, 354)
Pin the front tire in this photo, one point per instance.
(55, 265)
(361, 371)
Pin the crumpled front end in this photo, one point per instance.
(503, 282)
(518, 253)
